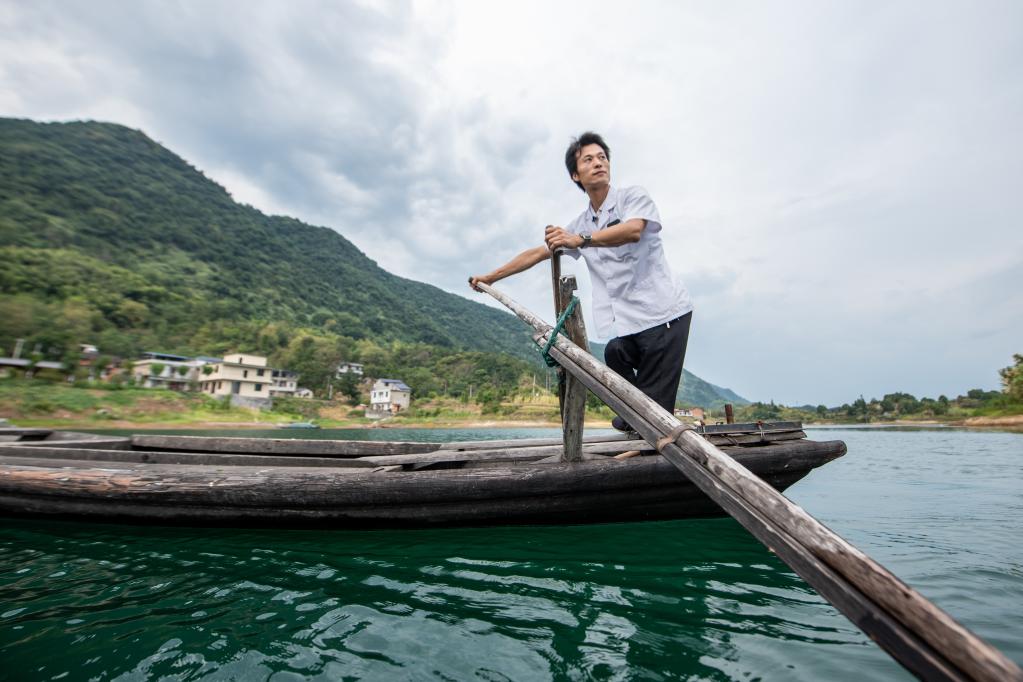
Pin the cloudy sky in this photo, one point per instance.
(841, 183)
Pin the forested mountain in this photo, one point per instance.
(107, 237)
(103, 216)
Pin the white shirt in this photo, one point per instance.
(634, 288)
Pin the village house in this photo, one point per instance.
(387, 397)
(285, 383)
(10, 366)
(244, 377)
(694, 412)
(349, 368)
(89, 358)
(164, 370)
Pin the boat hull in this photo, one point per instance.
(311, 492)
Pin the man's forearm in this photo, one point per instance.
(523, 261)
(622, 233)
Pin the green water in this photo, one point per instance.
(675, 600)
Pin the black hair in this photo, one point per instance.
(572, 154)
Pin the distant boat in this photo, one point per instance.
(299, 425)
(347, 484)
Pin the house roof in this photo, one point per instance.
(163, 356)
(396, 383)
(14, 362)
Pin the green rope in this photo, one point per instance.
(545, 352)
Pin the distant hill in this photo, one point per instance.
(109, 238)
(101, 214)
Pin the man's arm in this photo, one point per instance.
(523, 261)
(622, 233)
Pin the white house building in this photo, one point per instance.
(388, 396)
(349, 368)
(163, 370)
(244, 377)
(285, 382)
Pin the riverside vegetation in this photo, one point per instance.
(976, 406)
(43, 402)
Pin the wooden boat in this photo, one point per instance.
(350, 484)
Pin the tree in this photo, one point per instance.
(156, 369)
(1012, 378)
(348, 386)
(859, 408)
(941, 407)
(822, 410)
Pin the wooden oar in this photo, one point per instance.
(558, 307)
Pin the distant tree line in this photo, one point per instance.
(900, 405)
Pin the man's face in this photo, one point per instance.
(592, 167)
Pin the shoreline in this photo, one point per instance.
(71, 425)
(1013, 422)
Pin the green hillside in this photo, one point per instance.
(150, 251)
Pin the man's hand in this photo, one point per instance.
(560, 238)
(477, 279)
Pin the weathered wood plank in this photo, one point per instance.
(558, 307)
(529, 442)
(336, 448)
(750, 427)
(88, 456)
(354, 448)
(280, 446)
(574, 406)
(503, 454)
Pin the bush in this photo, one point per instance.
(300, 406)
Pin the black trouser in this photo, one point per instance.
(651, 360)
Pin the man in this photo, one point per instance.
(635, 293)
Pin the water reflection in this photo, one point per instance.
(661, 600)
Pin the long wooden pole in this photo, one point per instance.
(574, 406)
(559, 306)
(918, 634)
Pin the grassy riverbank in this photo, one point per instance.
(59, 405)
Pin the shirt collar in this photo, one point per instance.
(610, 201)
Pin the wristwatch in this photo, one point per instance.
(586, 239)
